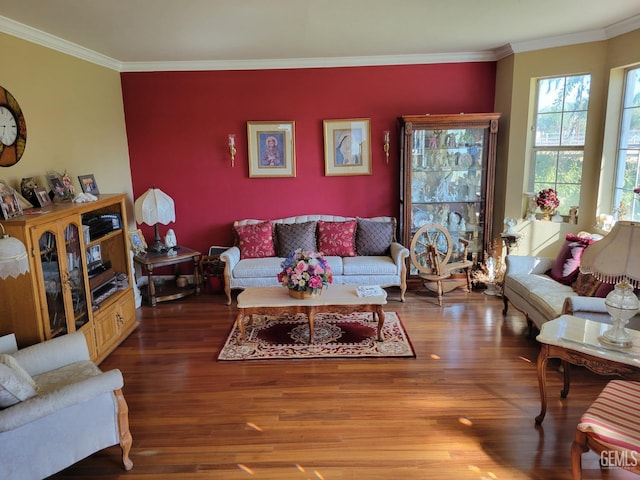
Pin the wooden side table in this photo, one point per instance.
(151, 260)
(575, 341)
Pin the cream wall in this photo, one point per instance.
(515, 94)
(74, 115)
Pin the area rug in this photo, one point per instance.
(335, 336)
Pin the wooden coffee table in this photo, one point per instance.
(575, 340)
(276, 301)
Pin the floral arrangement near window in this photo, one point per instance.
(636, 190)
(305, 272)
(548, 201)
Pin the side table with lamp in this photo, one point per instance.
(152, 208)
(604, 349)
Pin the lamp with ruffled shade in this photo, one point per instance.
(154, 207)
(616, 259)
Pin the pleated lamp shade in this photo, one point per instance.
(615, 258)
(13, 256)
(154, 206)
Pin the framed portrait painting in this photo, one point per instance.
(271, 149)
(347, 147)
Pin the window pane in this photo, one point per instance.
(548, 127)
(570, 167)
(632, 88)
(550, 94)
(569, 196)
(574, 126)
(577, 93)
(545, 167)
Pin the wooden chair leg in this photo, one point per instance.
(123, 427)
(578, 447)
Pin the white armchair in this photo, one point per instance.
(76, 411)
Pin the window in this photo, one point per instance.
(626, 204)
(558, 145)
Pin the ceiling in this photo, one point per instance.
(132, 35)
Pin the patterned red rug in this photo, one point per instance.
(335, 336)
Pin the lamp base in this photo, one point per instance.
(617, 337)
(157, 247)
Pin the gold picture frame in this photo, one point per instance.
(347, 147)
(272, 150)
(137, 241)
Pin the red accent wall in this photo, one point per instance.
(177, 126)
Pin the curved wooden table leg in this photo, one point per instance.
(311, 312)
(566, 371)
(380, 313)
(239, 322)
(543, 356)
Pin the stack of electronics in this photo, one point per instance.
(100, 225)
(102, 282)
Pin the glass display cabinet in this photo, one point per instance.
(80, 275)
(447, 178)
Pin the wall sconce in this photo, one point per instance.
(232, 148)
(386, 144)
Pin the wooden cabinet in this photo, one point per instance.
(80, 276)
(447, 177)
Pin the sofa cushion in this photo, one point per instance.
(258, 267)
(369, 265)
(292, 236)
(373, 237)
(337, 238)
(256, 240)
(542, 292)
(16, 385)
(567, 263)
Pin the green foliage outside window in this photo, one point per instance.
(558, 152)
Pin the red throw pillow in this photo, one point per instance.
(256, 241)
(337, 238)
(567, 264)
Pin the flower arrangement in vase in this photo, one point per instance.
(548, 201)
(305, 274)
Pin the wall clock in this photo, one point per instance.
(13, 130)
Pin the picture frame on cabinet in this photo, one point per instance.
(137, 241)
(41, 197)
(347, 147)
(58, 187)
(88, 184)
(9, 204)
(271, 146)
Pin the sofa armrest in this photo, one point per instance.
(516, 264)
(54, 353)
(576, 304)
(398, 253)
(230, 257)
(42, 405)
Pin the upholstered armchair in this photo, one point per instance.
(57, 407)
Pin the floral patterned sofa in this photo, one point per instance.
(360, 251)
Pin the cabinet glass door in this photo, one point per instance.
(447, 183)
(75, 276)
(49, 260)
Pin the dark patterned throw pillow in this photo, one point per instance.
(292, 236)
(373, 237)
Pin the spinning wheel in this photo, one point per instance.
(431, 249)
(431, 246)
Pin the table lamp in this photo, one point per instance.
(154, 207)
(13, 256)
(616, 259)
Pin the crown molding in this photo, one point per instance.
(39, 37)
(44, 39)
(320, 62)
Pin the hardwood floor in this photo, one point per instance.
(463, 409)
